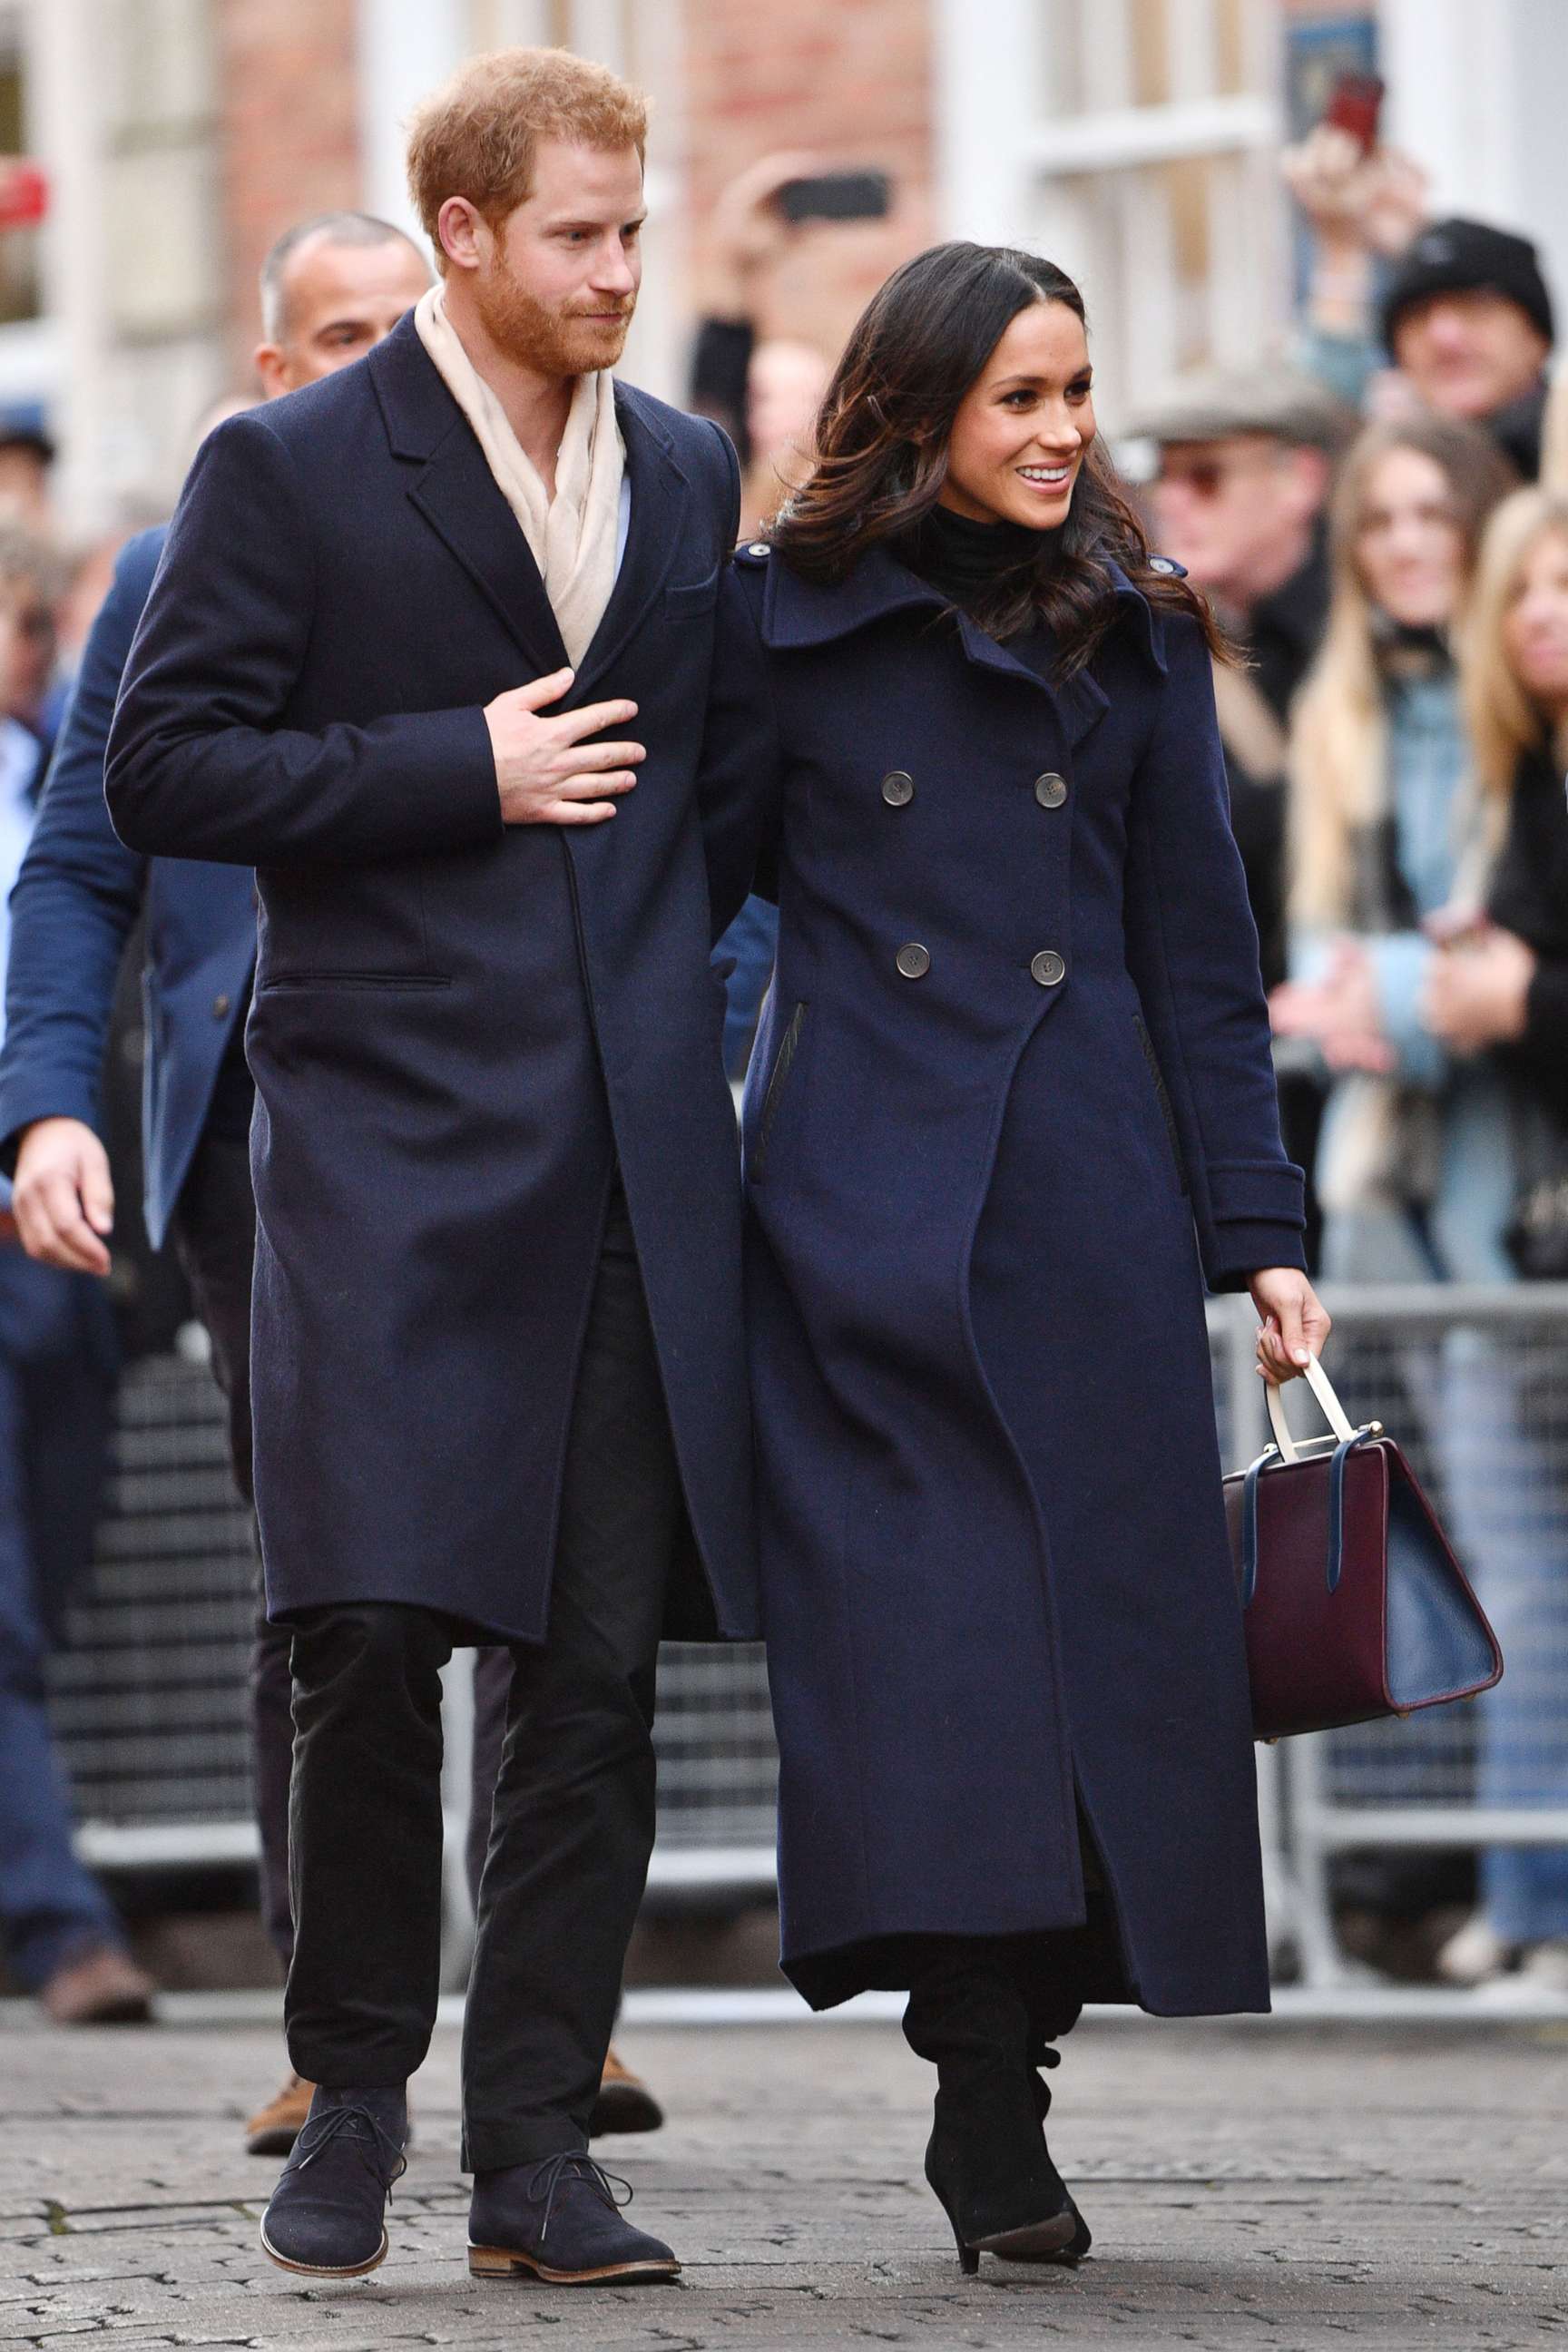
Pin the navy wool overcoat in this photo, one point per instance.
(1013, 1100)
(458, 1029)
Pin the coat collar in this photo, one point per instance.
(798, 614)
(453, 489)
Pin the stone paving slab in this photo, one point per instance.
(1279, 2187)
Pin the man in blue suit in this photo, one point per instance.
(330, 289)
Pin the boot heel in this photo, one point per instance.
(494, 2262)
(968, 2259)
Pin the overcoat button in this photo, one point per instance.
(1050, 790)
(1048, 968)
(220, 1007)
(914, 961)
(898, 789)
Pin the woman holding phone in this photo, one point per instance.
(1011, 1104)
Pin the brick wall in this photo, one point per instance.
(850, 77)
(287, 75)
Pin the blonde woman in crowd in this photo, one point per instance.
(1499, 999)
(1415, 927)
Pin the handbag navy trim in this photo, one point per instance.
(1271, 1454)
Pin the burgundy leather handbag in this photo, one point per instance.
(1354, 1603)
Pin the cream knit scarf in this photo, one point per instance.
(573, 535)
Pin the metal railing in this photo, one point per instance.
(151, 1706)
(1473, 1382)
(149, 1697)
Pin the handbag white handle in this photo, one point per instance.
(1334, 1413)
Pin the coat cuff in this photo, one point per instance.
(1256, 1192)
(1240, 1250)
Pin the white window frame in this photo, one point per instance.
(1015, 166)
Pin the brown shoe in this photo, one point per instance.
(102, 1986)
(273, 2129)
(624, 2104)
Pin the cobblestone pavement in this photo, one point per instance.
(1284, 2187)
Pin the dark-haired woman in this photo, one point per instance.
(1012, 1101)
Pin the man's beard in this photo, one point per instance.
(553, 341)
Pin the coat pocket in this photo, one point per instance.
(1166, 1113)
(688, 598)
(398, 982)
(783, 1063)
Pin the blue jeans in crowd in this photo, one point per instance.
(57, 1394)
(1495, 1424)
(1504, 1472)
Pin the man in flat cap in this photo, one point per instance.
(1242, 463)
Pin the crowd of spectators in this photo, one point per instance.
(1364, 516)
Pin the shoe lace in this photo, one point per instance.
(380, 2150)
(572, 2164)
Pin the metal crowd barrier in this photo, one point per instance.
(150, 1696)
(1473, 1382)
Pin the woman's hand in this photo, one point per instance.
(1339, 1012)
(1477, 994)
(1295, 1323)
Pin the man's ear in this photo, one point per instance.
(271, 366)
(462, 233)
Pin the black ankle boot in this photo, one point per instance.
(987, 2160)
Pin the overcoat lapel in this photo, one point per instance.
(457, 494)
(658, 491)
(803, 612)
(452, 487)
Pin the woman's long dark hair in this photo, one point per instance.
(881, 446)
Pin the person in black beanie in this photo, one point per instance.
(1460, 307)
(1466, 317)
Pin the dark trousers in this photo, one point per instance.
(573, 1820)
(213, 1232)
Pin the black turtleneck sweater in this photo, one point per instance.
(964, 559)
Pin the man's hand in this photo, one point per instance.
(1356, 202)
(63, 1196)
(545, 772)
(1295, 1322)
(1340, 1011)
(746, 231)
(1477, 992)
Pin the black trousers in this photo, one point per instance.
(573, 1820)
(213, 1233)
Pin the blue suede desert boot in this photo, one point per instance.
(326, 2217)
(559, 2220)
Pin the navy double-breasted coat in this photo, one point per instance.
(460, 1030)
(1013, 1099)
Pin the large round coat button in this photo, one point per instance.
(913, 961)
(898, 789)
(1050, 790)
(1048, 968)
